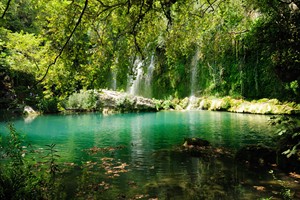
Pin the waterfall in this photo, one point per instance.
(149, 76)
(140, 84)
(194, 80)
(135, 82)
(114, 80)
(192, 102)
(194, 73)
(114, 72)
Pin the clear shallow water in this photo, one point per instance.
(153, 168)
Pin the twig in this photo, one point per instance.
(6, 8)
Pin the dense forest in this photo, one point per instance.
(244, 49)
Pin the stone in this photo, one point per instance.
(29, 111)
(195, 142)
(113, 101)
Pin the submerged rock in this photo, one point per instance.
(195, 142)
(202, 148)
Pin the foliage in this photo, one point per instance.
(20, 175)
(52, 156)
(125, 103)
(167, 105)
(239, 48)
(288, 141)
(84, 100)
(47, 105)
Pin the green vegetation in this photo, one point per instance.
(22, 174)
(84, 100)
(261, 106)
(50, 50)
(288, 142)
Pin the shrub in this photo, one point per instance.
(226, 103)
(48, 105)
(167, 104)
(84, 100)
(125, 103)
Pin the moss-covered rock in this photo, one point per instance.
(204, 104)
(263, 106)
(184, 103)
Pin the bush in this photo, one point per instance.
(48, 105)
(167, 104)
(226, 103)
(84, 100)
(125, 103)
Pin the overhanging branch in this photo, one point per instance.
(6, 8)
(66, 43)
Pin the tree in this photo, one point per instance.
(71, 45)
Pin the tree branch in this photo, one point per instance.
(203, 9)
(66, 43)
(6, 8)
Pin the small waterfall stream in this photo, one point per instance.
(114, 80)
(149, 77)
(135, 82)
(194, 73)
(194, 80)
(140, 83)
(113, 74)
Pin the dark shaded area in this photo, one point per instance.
(289, 151)
(256, 155)
(15, 89)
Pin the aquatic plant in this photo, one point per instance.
(52, 159)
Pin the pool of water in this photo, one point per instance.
(143, 163)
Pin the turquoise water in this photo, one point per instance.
(148, 143)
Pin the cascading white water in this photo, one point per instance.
(114, 72)
(194, 73)
(149, 76)
(114, 80)
(134, 82)
(140, 84)
(194, 80)
(192, 102)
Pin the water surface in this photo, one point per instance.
(154, 169)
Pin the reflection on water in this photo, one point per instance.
(153, 168)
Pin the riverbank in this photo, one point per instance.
(110, 102)
(229, 104)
